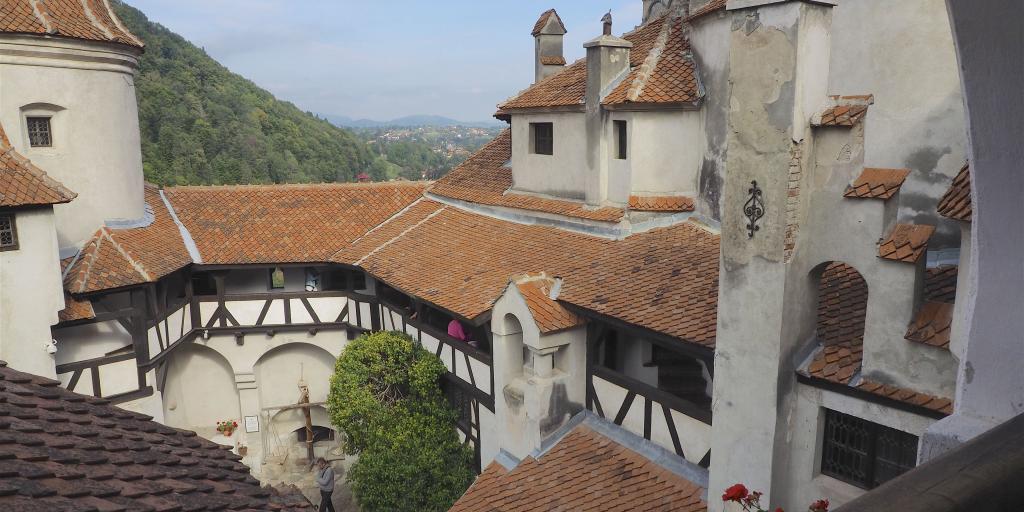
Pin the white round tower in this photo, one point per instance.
(67, 100)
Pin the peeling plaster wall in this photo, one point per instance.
(903, 53)
(709, 39)
(31, 293)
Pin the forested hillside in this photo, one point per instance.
(202, 124)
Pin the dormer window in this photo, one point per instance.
(542, 138)
(8, 233)
(39, 133)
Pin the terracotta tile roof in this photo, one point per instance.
(842, 307)
(78, 19)
(662, 72)
(667, 74)
(552, 61)
(906, 243)
(708, 8)
(877, 183)
(932, 324)
(24, 184)
(285, 223)
(114, 258)
(543, 21)
(583, 471)
(64, 451)
(665, 279)
(485, 179)
(567, 88)
(75, 309)
(549, 314)
(930, 402)
(956, 203)
(845, 111)
(940, 284)
(661, 203)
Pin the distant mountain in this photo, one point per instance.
(407, 121)
(203, 124)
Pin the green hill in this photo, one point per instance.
(202, 124)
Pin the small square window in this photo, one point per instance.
(621, 139)
(39, 134)
(8, 233)
(543, 138)
(863, 453)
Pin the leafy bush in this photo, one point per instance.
(385, 395)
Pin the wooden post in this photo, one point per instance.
(304, 403)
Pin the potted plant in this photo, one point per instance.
(226, 428)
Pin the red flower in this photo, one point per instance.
(819, 506)
(779, 509)
(735, 493)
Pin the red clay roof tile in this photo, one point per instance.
(661, 203)
(708, 8)
(930, 402)
(91, 20)
(956, 203)
(877, 183)
(24, 184)
(485, 179)
(932, 325)
(54, 458)
(846, 111)
(907, 243)
(583, 471)
(285, 223)
(545, 17)
(549, 315)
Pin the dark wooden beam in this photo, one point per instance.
(662, 397)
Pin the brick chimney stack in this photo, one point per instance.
(548, 34)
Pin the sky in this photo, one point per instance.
(384, 59)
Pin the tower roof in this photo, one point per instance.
(24, 184)
(91, 20)
(545, 20)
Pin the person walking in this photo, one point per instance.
(325, 481)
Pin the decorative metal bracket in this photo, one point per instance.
(753, 209)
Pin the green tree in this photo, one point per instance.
(386, 396)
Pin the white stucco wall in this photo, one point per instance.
(562, 174)
(200, 390)
(89, 89)
(31, 293)
(903, 53)
(663, 156)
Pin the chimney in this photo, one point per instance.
(778, 71)
(607, 65)
(548, 33)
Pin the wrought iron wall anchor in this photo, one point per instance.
(753, 209)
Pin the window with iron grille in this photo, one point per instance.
(543, 135)
(863, 453)
(39, 134)
(8, 233)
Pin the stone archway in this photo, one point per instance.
(200, 390)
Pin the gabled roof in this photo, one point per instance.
(285, 223)
(542, 22)
(486, 179)
(585, 470)
(956, 203)
(877, 183)
(549, 315)
(24, 184)
(667, 74)
(665, 279)
(906, 243)
(114, 258)
(662, 72)
(91, 20)
(64, 451)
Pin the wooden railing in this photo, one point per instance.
(93, 366)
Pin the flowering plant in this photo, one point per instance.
(227, 427)
(751, 501)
